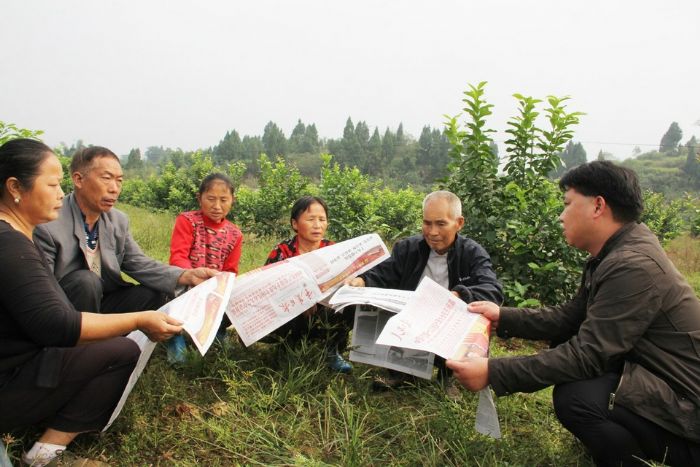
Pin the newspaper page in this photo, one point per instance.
(200, 308)
(369, 323)
(332, 265)
(388, 299)
(265, 300)
(147, 347)
(442, 331)
(268, 297)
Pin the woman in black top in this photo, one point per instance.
(59, 368)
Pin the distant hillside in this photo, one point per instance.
(669, 173)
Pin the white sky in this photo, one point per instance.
(181, 73)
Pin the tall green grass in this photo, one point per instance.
(276, 405)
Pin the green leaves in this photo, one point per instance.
(10, 131)
(514, 215)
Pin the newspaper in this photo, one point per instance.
(260, 303)
(388, 299)
(451, 332)
(444, 331)
(147, 347)
(364, 349)
(268, 297)
(331, 266)
(201, 309)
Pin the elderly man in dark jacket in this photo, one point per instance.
(457, 263)
(626, 368)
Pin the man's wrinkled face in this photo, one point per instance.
(98, 187)
(440, 226)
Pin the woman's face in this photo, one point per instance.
(43, 201)
(312, 224)
(216, 202)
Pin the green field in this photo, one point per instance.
(269, 405)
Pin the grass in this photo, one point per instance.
(271, 405)
(684, 251)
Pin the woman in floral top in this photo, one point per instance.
(309, 220)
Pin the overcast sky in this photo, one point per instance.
(181, 73)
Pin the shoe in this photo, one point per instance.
(41, 460)
(337, 363)
(176, 348)
(392, 380)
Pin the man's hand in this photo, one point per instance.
(157, 325)
(196, 276)
(490, 310)
(356, 282)
(472, 373)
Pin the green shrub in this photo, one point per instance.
(10, 131)
(266, 210)
(396, 214)
(348, 194)
(176, 188)
(514, 215)
(663, 217)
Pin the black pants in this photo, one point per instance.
(325, 325)
(618, 436)
(87, 293)
(73, 389)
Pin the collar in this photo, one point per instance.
(91, 236)
(614, 240)
(426, 248)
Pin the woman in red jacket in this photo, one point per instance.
(206, 238)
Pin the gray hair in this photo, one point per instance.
(454, 203)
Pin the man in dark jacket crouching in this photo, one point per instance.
(626, 370)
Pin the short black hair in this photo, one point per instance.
(618, 185)
(210, 179)
(302, 204)
(83, 158)
(21, 158)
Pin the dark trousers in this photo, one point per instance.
(325, 325)
(87, 293)
(618, 436)
(71, 389)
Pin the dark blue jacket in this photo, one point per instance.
(469, 267)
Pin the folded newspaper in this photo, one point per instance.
(388, 299)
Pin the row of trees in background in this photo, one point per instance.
(390, 155)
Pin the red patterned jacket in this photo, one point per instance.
(198, 241)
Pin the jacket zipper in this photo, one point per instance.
(611, 399)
